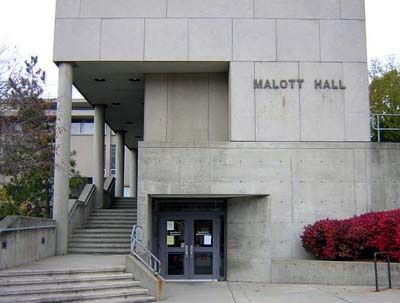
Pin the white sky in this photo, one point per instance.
(28, 25)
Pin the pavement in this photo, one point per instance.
(231, 292)
(234, 292)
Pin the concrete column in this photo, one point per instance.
(120, 164)
(108, 151)
(98, 154)
(62, 156)
(133, 173)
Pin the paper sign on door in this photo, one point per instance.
(170, 225)
(207, 239)
(170, 240)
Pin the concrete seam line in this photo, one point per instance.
(230, 290)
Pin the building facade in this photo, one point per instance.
(82, 131)
(250, 119)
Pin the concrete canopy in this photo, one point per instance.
(121, 86)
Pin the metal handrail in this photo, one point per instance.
(79, 202)
(142, 253)
(376, 120)
(27, 228)
(376, 268)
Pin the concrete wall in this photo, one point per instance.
(333, 273)
(186, 107)
(304, 182)
(26, 246)
(249, 239)
(262, 39)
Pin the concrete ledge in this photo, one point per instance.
(22, 245)
(154, 283)
(332, 272)
(270, 145)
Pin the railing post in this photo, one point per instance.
(389, 274)
(376, 268)
(376, 273)
(379, 128)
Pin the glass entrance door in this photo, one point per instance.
(189, 247)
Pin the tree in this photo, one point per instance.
(385, 96)
(27, 139)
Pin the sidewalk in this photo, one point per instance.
(224, 292)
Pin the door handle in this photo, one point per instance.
(191, 251)
(186, 251)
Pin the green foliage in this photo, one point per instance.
(7, 206)
(385, 97)
(76, 181)
(27, 141)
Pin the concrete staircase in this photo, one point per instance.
(107, 231)
(111, 285)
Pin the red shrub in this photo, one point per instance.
(355, 238)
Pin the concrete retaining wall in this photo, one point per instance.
(332, 272)
(24, 246)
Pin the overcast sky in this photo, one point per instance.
(28, 25)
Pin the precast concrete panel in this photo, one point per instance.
(242, 101)
(122, 39)
(166, 39)
(357, 126)
(77, 39)
(298, 9)
(254, 40)
(343, 41)
(210, 39)
(218, 107)
(68, 8)
(298, 40)
(123, 8)
(155, 107)
(322, 110)
(187, 117)
(277, 110)
(352, 9)
(210, 8)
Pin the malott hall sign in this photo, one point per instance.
(298, 84)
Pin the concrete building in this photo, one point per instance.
(250, 119)
(82, 130)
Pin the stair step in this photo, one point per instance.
(77, 296)
(100, 231)
(99, 251)
(121, 300)
(26, 273)
(105, 237)
(111, 220)
(98, 245)
(114, 211)
(114, 216)
(100, 240)
(108, 226)
(65, 288)
(65, 279)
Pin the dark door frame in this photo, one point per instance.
(189, 250)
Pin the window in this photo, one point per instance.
(112, 159)
(82, 127)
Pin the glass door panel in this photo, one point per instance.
(204, 249)
(174, 251)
